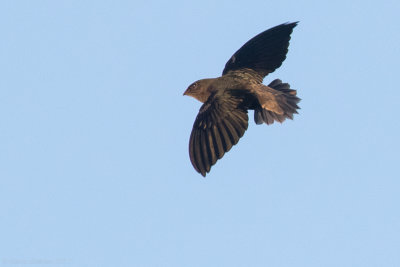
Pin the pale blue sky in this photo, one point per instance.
(94, 164)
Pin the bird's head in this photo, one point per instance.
(200, 90)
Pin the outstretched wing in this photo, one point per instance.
(220, 124)
(263, 54)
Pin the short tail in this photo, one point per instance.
(287, 102)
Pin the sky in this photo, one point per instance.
(94, 164)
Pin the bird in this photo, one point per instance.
(223, 118)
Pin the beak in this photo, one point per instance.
(185, 93)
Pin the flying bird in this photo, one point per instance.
(222, 119)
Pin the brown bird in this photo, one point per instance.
(222, 119)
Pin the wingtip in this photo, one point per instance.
(294, 24)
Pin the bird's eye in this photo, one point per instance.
(194, 85)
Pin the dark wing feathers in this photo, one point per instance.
(264, 53)
(220, 124)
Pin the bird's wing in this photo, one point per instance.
(262, 54)
(220, 124)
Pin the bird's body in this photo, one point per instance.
(222, 119)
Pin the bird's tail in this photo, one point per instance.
(286, 101)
